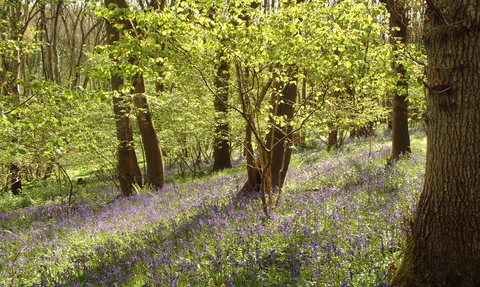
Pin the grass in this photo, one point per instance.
(339, 223)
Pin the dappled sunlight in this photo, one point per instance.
(339, 221)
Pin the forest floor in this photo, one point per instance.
(340, 221)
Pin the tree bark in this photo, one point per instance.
(332, 140)
(252, 185)
(280, 137)
(128, 168)
(221, 145)
(398, 35)
(153, 153)
(15, 179)
(443, 248)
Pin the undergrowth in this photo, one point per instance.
(338, 223)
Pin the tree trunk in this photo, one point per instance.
(332, 140)
(221, 145)
(443, 248)
(153, 153)
(398, 34)
(128, 168)
(252, 185)
(9, 75)
(280, 137)
(400, 133)
(15, 179)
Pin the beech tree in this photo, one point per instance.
(221, 144)
(270, 61)
(128, 168)
(398, 24)
(443, 246)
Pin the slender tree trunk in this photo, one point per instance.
(332, 140)
(252, 185)
(398, 32)
(10, 74)
(53, 46)
(280, 137)
(153, 153)
(49, 38)
(15, 179)
(443, 248)
(128, 168)
(221, 145)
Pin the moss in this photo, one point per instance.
(409, 273)
(404, 275)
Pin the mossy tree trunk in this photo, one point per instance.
(443, 248)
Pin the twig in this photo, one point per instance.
(110, 162)
(70, 194)
(19, 105)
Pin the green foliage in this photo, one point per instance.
(336, 225)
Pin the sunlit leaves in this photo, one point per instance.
(339, 51)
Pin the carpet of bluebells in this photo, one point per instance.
(339, 222)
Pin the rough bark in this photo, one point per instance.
(221, 145)
(398, 32)
(443, 248)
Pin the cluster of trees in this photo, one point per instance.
(197, 79)
(202, 78)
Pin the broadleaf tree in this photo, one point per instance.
(270, 58)
(443, 245)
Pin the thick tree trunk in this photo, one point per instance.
(398, 32)
(443, 248)
(221, 145)
(153, 153)
(400, 133)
